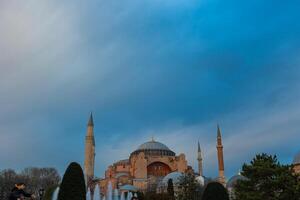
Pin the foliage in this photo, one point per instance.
(170, 189)
(155, 196)
(267, 179)
(37, 178)
(8, 178)
(34, 178)
(73, 185)
(141, 195)
(188, 188)
(215, 191)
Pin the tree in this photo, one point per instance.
(188, 187)
(150, 195)
(73, 184)
(267, 179)
(8, 178)
(170, 189)
(34, 178)
(215, 191)
(140, 195)
(37, 178)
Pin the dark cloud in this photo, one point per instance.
(164, 68)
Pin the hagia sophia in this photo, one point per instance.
(152, 164)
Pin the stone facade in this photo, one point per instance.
(296, 168)
(150, 164)
(145, 167)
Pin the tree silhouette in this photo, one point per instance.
(171, 189)
(215, 191)
(73, 184)
(267, 179)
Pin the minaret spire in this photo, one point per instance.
(199, 158)
(91, 121)
(220, 156)
(219, 131)
(89, 160)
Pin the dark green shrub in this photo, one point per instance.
(215, 191)
(73, 184)
(171, 189)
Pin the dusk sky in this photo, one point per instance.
(171, 69)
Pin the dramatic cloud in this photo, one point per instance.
(168, 69)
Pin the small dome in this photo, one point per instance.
(233, 180)
(175, 176)
(200, 180)
(296, 159)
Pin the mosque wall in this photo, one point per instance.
(297, 168)
(122, 168)
(139, 166)
(181, 163)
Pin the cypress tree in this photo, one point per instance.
(73, 184)
(215, 191)
(170, 189)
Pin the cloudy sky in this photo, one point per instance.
(171, 69)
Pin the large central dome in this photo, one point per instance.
(154, 148)
(153, 145)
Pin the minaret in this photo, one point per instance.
(199, 158)
(220, 157)
(89, 159)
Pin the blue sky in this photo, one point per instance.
(171, 69)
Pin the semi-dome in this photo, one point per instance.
(201, 180)
(163, 184)
(154, 148)
(296, 159)
(175, 176)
